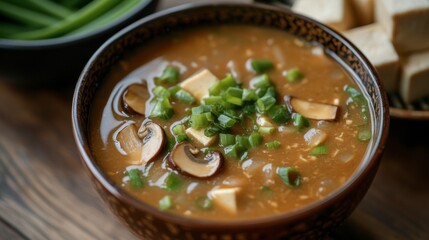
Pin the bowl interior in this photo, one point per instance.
(228, 13)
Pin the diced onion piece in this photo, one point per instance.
(315, 137)
(313, 110)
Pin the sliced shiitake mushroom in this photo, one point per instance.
(189, 160)
(153, 139)
(313, 110)
(134, 98)
(131, 143)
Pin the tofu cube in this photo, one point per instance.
(199, 137)
(226, 198)
(199, 84)
(406, 22)
(363, 11)
(414, 82)
(375, 44)
(337, 14)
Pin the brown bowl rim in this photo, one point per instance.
(363, 170)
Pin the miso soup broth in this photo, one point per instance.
(229, 122)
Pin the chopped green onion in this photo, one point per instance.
(171, 142)
(182, 138)
(290, 176)
(364, 135)
(199, 121)
(266, 130)
(242, 141)
(271, 91)
(272, 145)
(233, 151)
(262, 81)
(279, 114)
(249, 110)
(204, 203)
(249, 95)
(228, 82)
(255, 139)
(261, 65)
(169, 75)
(294, 75)
(135, 178)
(173, 90)
(161, 92)
(319, 150)
(212, 100)
(173, 182)
(166, 203)
(180, 132)
(300, 121)
(226, 139)
(201, 109)
(215, 89)
(357, 98)
(184, 97)
(265, 103)
(234, 95)
(179, 129)
(225, 121)
(162, 109)
(212, 130)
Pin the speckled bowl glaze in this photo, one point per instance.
(310, 222)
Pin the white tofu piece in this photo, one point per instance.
(199, 137)
(414, 82)
(199, 84)
(375, 44)
(363, 11)
(226, 198)
(406, 22)
(337, 14)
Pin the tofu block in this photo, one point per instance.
(199, 137)
(226, 198)
(375, 44)
(363, 11)
(414, 82)
(199, 84)
(337, 14)
(406, 22)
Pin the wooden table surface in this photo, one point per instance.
(45, 193)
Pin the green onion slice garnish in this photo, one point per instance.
(290, 176)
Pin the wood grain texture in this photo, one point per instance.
(45, 193)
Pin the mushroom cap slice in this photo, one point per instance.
(313, 110)
(188, 160)
(131, 143)
(134, 98)
(153, 139)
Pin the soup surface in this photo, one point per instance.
(266, 123)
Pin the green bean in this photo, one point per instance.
(7, 29)
(25, 16)
(110, 16)
(48, 7)
(81, 17)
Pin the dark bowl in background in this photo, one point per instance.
(59, 61)
(310, 222)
